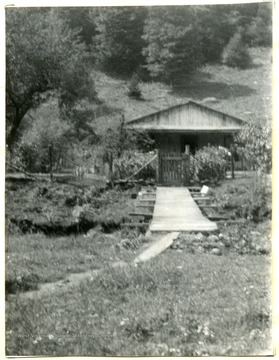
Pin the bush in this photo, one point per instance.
(209, 165)
(254, 143)
(251, 201)
(132, 161)
(236, 53)
(134, 89)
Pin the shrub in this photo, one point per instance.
(209, 164)
(132, 161)
(254, 143)
(15, 159)
(133, 88)
(236, 53)
(251, 201)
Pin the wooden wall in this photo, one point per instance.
(175, 142)
(189, 117)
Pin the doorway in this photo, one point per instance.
(191, 141)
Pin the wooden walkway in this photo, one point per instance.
(175, 210)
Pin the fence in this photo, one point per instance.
(59, 161)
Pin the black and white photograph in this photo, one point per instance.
(138, 180)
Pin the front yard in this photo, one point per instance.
(189, 301)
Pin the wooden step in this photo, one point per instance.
(239, 221)
(147, 200)
(218, 217)
(144, 206)
(135, 224)
(194, 188)
(148, 193)
(142, 214)
(201, 198)
(147, 197)
(208, 206)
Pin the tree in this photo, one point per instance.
(83, 19)
(119, 40)
(217, 25)
(44, 56)
(236, 53)
(173, 46)
(259, 32)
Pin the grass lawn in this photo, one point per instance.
(36, 258)
(177, 304)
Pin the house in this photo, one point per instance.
(189, 124)
(185, 128)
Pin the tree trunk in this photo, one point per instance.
(12, 136)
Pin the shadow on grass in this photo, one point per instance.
(203, 89)
(199, 85)
(22, 284)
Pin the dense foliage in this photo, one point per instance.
(209, 165)
(173, 42)
(118, 43)
(44, 55)
(130, 162)
(254, 143)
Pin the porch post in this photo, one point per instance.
(232, 159)
(186, 169)
(158, 169)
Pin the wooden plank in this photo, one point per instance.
(239, 221)
(135, 224)
(157, 248)
(151, 196)
(194, 188)
(145, 206)
(175, 210)
(217, 217)
(145, 215)
(202, 198)
(208, 206)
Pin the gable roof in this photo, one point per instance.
(188, 117)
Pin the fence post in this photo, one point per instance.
(50, 161)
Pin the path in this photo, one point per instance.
(175, 210)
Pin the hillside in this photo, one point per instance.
(242, 93)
